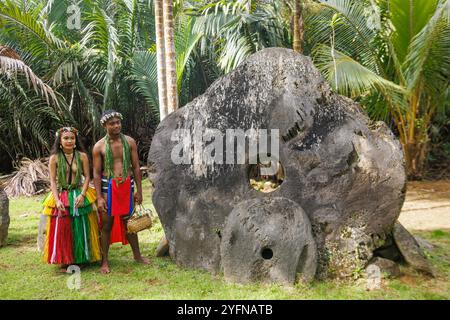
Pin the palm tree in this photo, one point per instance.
(90, 69)
(166, 57)
(160, 53)
(233, 30)
(28, 104)
(298, 27)
(11, 64)
(169, 52)
(110, 62)
(146, 66)
(393, 56)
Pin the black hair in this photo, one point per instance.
(56, 144)
(106, 112)
(109, 114)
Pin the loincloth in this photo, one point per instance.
(119, 201)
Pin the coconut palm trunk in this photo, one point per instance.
(160, 56)
(298, 27)
(170, 58)
(166, 59)
(167, 72)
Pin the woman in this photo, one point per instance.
(72, 230)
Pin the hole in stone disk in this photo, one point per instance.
(262, 182)
(267, 253)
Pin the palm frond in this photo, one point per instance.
(101, 34)
(185, 42)
(31, 178)
(11, 12)
(345, 23)
(428, 58)
(236, 49)
(11, 65)
(349, 77)
(407, 19)
(145, 73)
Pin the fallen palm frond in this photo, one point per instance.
(31, 178)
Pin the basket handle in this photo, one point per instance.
(139, 212)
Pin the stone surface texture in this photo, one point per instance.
(343, 171)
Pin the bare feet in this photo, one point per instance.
(104, 269)
(142, 260)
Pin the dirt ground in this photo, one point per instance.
(427, 205)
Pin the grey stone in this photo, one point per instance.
(268, 240)
(373, 277)
(163, 247)
(424, 244)
(410, 250)
(4, 217)
(346, 172)
(42, 231)
(386, 266)
(389, 250)
(391, 253)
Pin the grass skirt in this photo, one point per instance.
(72, 235)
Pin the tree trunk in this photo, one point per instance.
(167, 71)
(298, 27)
(169, 46)
(162, 86)
(415, 139)
(415, 152)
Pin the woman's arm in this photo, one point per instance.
(52, 165)
(86, 172)
(87, 178)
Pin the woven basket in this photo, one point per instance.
(140, 220)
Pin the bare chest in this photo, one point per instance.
(70, 166)
(116, 150)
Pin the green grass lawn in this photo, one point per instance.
(24, 276)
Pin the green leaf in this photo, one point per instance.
(408, 19)
(428, 60)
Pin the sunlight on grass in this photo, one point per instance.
(24, 276)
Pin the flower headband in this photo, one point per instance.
(108, 116)
(66, 129)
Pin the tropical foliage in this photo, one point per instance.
(233, 30)
(391, 55)
(105, 59)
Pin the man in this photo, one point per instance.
(115, 158)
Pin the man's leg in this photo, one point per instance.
(107, 223)
(134, 243)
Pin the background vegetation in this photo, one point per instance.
(393, 56)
